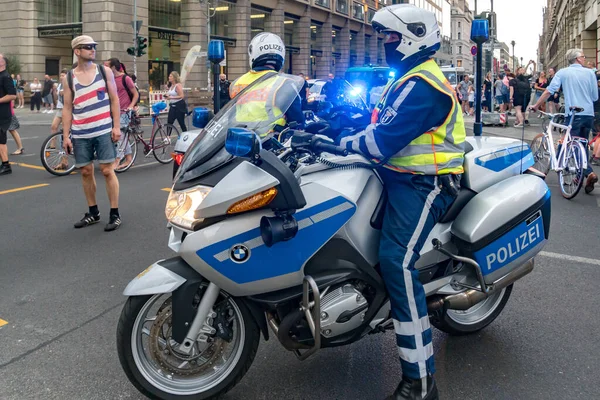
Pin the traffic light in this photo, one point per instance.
(141, 45)
(131, 51)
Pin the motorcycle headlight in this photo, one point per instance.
(182, 204)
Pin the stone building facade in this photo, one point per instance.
(569, 24)
(321, 36)
(462, 18)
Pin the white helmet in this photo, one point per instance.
(418, 29)
(266, 49)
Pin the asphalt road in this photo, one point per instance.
(60, 296)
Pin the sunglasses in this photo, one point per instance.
(87, 47)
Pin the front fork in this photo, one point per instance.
(204, 308)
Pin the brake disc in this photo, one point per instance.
(164, 349)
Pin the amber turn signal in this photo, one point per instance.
(253, 202)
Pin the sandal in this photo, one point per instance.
(17, 152)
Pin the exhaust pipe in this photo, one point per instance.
(467, 299)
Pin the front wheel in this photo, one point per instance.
(458, 322)
(219, 360)
(163, 143)
(571, 176)
(126, 152)
(54, 158)
(541, 153)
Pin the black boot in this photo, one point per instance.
(5, 169)
(412, 389)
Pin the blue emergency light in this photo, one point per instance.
(216, 51)
(242, 142)
(480, 31)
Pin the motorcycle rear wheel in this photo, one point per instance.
(458, 323)
(160, 374)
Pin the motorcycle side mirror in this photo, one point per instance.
(242, 142)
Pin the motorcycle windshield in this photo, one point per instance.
(259, 107)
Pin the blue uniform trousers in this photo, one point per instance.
(416, 203)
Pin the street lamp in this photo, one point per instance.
(513, 57)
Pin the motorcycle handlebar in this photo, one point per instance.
(321, 145)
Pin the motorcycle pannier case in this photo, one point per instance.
(505, 225)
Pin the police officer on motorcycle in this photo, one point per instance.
(417, 133)
(266, 54)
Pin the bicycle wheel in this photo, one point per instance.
(571, 177)
(54, 158)
(163, 143)
(124, 163)
(541, 153)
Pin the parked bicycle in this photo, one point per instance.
(571, 162)
(161, 144)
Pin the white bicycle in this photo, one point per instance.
(571, 162)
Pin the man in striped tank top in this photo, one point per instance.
(91, 116)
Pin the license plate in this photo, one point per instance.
(512, 245)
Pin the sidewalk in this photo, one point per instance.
(534, 128)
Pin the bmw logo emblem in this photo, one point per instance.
(239, 253)
(185, 138)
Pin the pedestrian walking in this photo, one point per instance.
(8, 93)
(14, 125)
(47, 97)
(554, 100)
(463, 88)
(177, 106)
(580, 89)
(487, 93)
(471, 95)
(520, 94)
(223, 91)
(128, 98)
(91, 116)
(20, 91)
(540, 85)
(36, 94)
(499, 92)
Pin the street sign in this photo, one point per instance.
(137, 25)
(474, 50)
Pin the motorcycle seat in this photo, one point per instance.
(464, 196)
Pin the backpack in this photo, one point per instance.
(129, 93)
(505, 91)
(70, 79)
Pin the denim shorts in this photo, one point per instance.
(103, 146)
(48, 99)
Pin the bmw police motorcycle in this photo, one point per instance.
(281, 241)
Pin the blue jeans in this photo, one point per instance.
(582, 126)
(102, 146)
(416, 203)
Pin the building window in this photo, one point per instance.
(258, 20)
(323, 3)
(52, 67)
(459, 25)
(219, 22)
(165, 14)
(60, 12)
(290, 25)
(341, 6)
(315, 32)
(370, 15)
(459, 36)
(358, 11)
(459, 49)
(335, 37)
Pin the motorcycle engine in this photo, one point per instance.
(342, 310)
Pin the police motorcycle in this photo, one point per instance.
(282, 241)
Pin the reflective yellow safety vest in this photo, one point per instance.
(258, 103)
(440, 150)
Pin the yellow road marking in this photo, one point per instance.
(166, 189)
(3, 322)
(34, 166)
(28, 165)
(24, 188)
